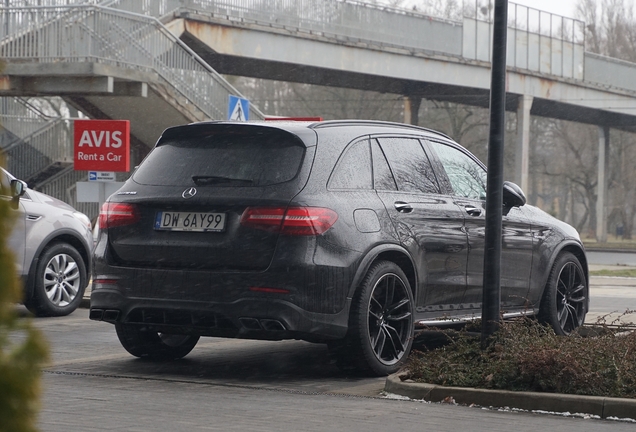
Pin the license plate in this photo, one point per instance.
(190, 221)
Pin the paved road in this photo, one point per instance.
(92, 384)
(611, 297)
(612, 258)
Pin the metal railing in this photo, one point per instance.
(20, 117)
(39, 150)
(538, 41)
(83, 33)
(34, 141)
(530, 19)
(341, 19)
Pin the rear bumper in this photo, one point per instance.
(249, 318)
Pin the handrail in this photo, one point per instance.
(95, 33)
(33, 153)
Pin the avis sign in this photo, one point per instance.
(102, 145)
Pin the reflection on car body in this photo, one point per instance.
(349, 233)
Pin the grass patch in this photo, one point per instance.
(527, 356)
(619, 273)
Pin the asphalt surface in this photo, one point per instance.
(228, 384)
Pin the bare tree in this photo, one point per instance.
(611, 31)
(578, 169)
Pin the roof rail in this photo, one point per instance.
(330, 123)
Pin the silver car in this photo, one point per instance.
(52, 245)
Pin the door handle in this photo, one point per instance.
(472, 210)
(403, 207)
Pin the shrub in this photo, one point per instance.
(22, 348)
(525, 355)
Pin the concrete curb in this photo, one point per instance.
(603, 407)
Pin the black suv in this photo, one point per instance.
(350, 233)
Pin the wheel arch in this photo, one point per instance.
(575, 249)
(393, 253)
(60, 236)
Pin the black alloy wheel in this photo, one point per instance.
(153, 345)
(381, 323)
(565, 299)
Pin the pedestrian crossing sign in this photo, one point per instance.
(238, 109)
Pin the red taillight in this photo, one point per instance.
(292, 221)
(269, 290)
(117, 214)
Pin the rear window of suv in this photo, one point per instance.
(221, 157)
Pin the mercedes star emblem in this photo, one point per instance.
(189, 193)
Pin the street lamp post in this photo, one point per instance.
(494, 188)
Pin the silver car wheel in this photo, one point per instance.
(62, 280)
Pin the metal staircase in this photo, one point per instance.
(51, 42)
(35, 146)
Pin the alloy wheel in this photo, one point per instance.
(390, 319)
(62, 280)
(571, 297)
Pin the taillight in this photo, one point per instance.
(117, 214)
(269, 290)
(297, 221)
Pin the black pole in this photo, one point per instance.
(494, 187)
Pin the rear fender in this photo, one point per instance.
(388, 252)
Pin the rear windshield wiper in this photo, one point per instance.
(206, 180)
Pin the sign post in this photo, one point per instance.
(101, 147)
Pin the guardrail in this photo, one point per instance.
(81, 33)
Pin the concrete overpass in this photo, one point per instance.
(349, 44)
(357, 45)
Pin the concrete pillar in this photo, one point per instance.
(522, 161)
(411, 109)
(603, 172)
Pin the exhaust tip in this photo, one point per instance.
(110, 315)
(96, 314)
(250, 323)
(272, 325)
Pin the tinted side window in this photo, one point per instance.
(382, 177)
(410, 165)
(353, 170)
(466, 176)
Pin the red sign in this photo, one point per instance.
(102, 145)
(303, 119)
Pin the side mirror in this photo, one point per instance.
(18, 188)
(513, 196)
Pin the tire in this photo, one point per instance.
(381, 326)
(152, 345)
(565, 298)
(60, 281)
